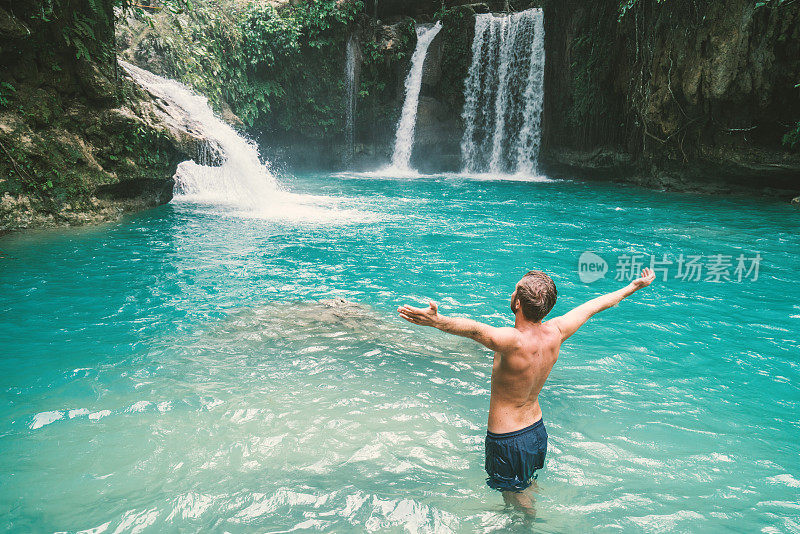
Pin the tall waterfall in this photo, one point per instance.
(503, 94)
(404, 140)
(242, 180)
(350, 86)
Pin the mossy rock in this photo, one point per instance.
(42, 106)
(458, 31)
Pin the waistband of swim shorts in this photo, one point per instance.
(537, 424)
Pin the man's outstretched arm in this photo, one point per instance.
(490, 337)
(569, 323)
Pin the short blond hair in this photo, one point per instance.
(537, 295)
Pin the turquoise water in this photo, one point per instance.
(177, 370)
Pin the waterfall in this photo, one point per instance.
(241, 180)
(350, 104)
(227, 176)
(503, 94)
(404, 140)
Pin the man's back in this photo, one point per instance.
(518, 376)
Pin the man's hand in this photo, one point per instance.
(422, 316)
(645, 279)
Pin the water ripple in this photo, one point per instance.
(184, 370)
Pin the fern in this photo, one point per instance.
(6, 91)
(791, 138)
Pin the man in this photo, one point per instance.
(516, 440)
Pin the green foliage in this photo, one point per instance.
(590, 66)
(83, 26)
(280, 70)
(79, 35)
(202, 47)
(323, 20)
(792, 137)
(6, 93)
(295, 58)
(269, 38)
(86, 27)
(458, 27)
(27, 175)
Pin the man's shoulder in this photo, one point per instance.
(553, 323)
(510, 336)
(549, 335)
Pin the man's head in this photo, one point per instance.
(534, 296)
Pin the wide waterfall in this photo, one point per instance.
(404, 140)
(503, 94)
(241, 180)
(350, 76)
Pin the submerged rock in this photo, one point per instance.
(279, 319)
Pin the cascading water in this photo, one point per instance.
(404, 140)
(503, 94)
(241, 180)
(350, 86)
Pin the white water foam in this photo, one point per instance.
(351, 65)
(404, 138)
(503, 94)
(242, 185)
(242, 180)
(391, 174)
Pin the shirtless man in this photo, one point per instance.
(516, 440)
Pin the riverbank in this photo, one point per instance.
(80, 142)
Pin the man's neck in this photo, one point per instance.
(521, 323)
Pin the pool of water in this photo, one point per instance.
(185, 368)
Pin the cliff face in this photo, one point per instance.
(79, 141)
(679, 95)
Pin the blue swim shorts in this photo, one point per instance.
(513, 458)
